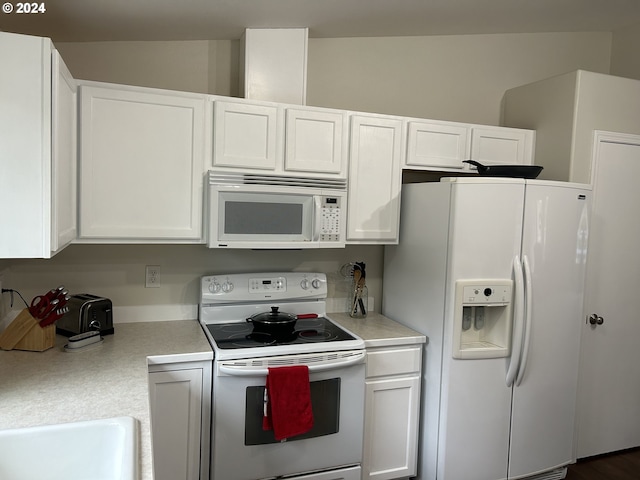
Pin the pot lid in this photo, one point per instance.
(274, 316)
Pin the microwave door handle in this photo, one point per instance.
(317, 217)
(240, 370)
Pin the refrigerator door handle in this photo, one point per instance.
(528, 294)
(518, 321)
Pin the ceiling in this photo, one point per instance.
(111, 20)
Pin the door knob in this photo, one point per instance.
(595, 319)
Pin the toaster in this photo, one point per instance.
(86, 312)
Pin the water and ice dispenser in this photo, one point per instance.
(482, 319)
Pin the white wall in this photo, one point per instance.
(625, 61)
(459, 78)
(171, 65)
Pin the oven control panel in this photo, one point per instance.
(247, 287)
(261, 285)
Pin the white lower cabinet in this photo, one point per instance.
(180, 405)
(392, 406)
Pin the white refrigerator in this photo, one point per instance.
(492, 271)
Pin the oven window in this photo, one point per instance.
(258, 218)
(325, 403)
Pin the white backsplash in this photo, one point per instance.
(117, 272)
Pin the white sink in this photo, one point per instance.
(97, 449)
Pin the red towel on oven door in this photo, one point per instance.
(288, 402)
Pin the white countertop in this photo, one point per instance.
(103, 381)
(377, 330)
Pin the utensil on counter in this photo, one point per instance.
(513, 171)
(359, 280)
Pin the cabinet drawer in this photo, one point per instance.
(393, 361)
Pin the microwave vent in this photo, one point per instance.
(218, 178)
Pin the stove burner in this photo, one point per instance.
(267, 338)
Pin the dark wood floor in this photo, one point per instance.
(616, 466)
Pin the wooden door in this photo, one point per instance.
(609, 385)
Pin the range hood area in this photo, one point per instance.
(273, 64)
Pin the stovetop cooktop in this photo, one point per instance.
(307, 330)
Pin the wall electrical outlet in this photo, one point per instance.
(152, 279)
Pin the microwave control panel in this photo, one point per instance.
(330, 219)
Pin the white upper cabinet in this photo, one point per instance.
(500, 145)
(442, 146)
(374, 179)
(64, 144)
(315, 141)
(245, 135)
(142, 164)
(279, 139)
(37, 148)
(437, 145)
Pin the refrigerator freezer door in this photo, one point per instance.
(485, 235)
(543, 407)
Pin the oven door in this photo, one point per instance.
(242, 450)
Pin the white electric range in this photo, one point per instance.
(241, 449)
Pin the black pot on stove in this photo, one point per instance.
(276, 323)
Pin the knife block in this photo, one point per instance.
(24, 333)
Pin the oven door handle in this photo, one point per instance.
(247, 371)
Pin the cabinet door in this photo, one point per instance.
(64, 203)
(437, 145)
(142, 165)
(245, 135)
(314, 141)
(175, 400)
(498, 145)
(374, 179)
(25, 142)
(391, 428)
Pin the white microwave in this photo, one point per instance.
(273, 212)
